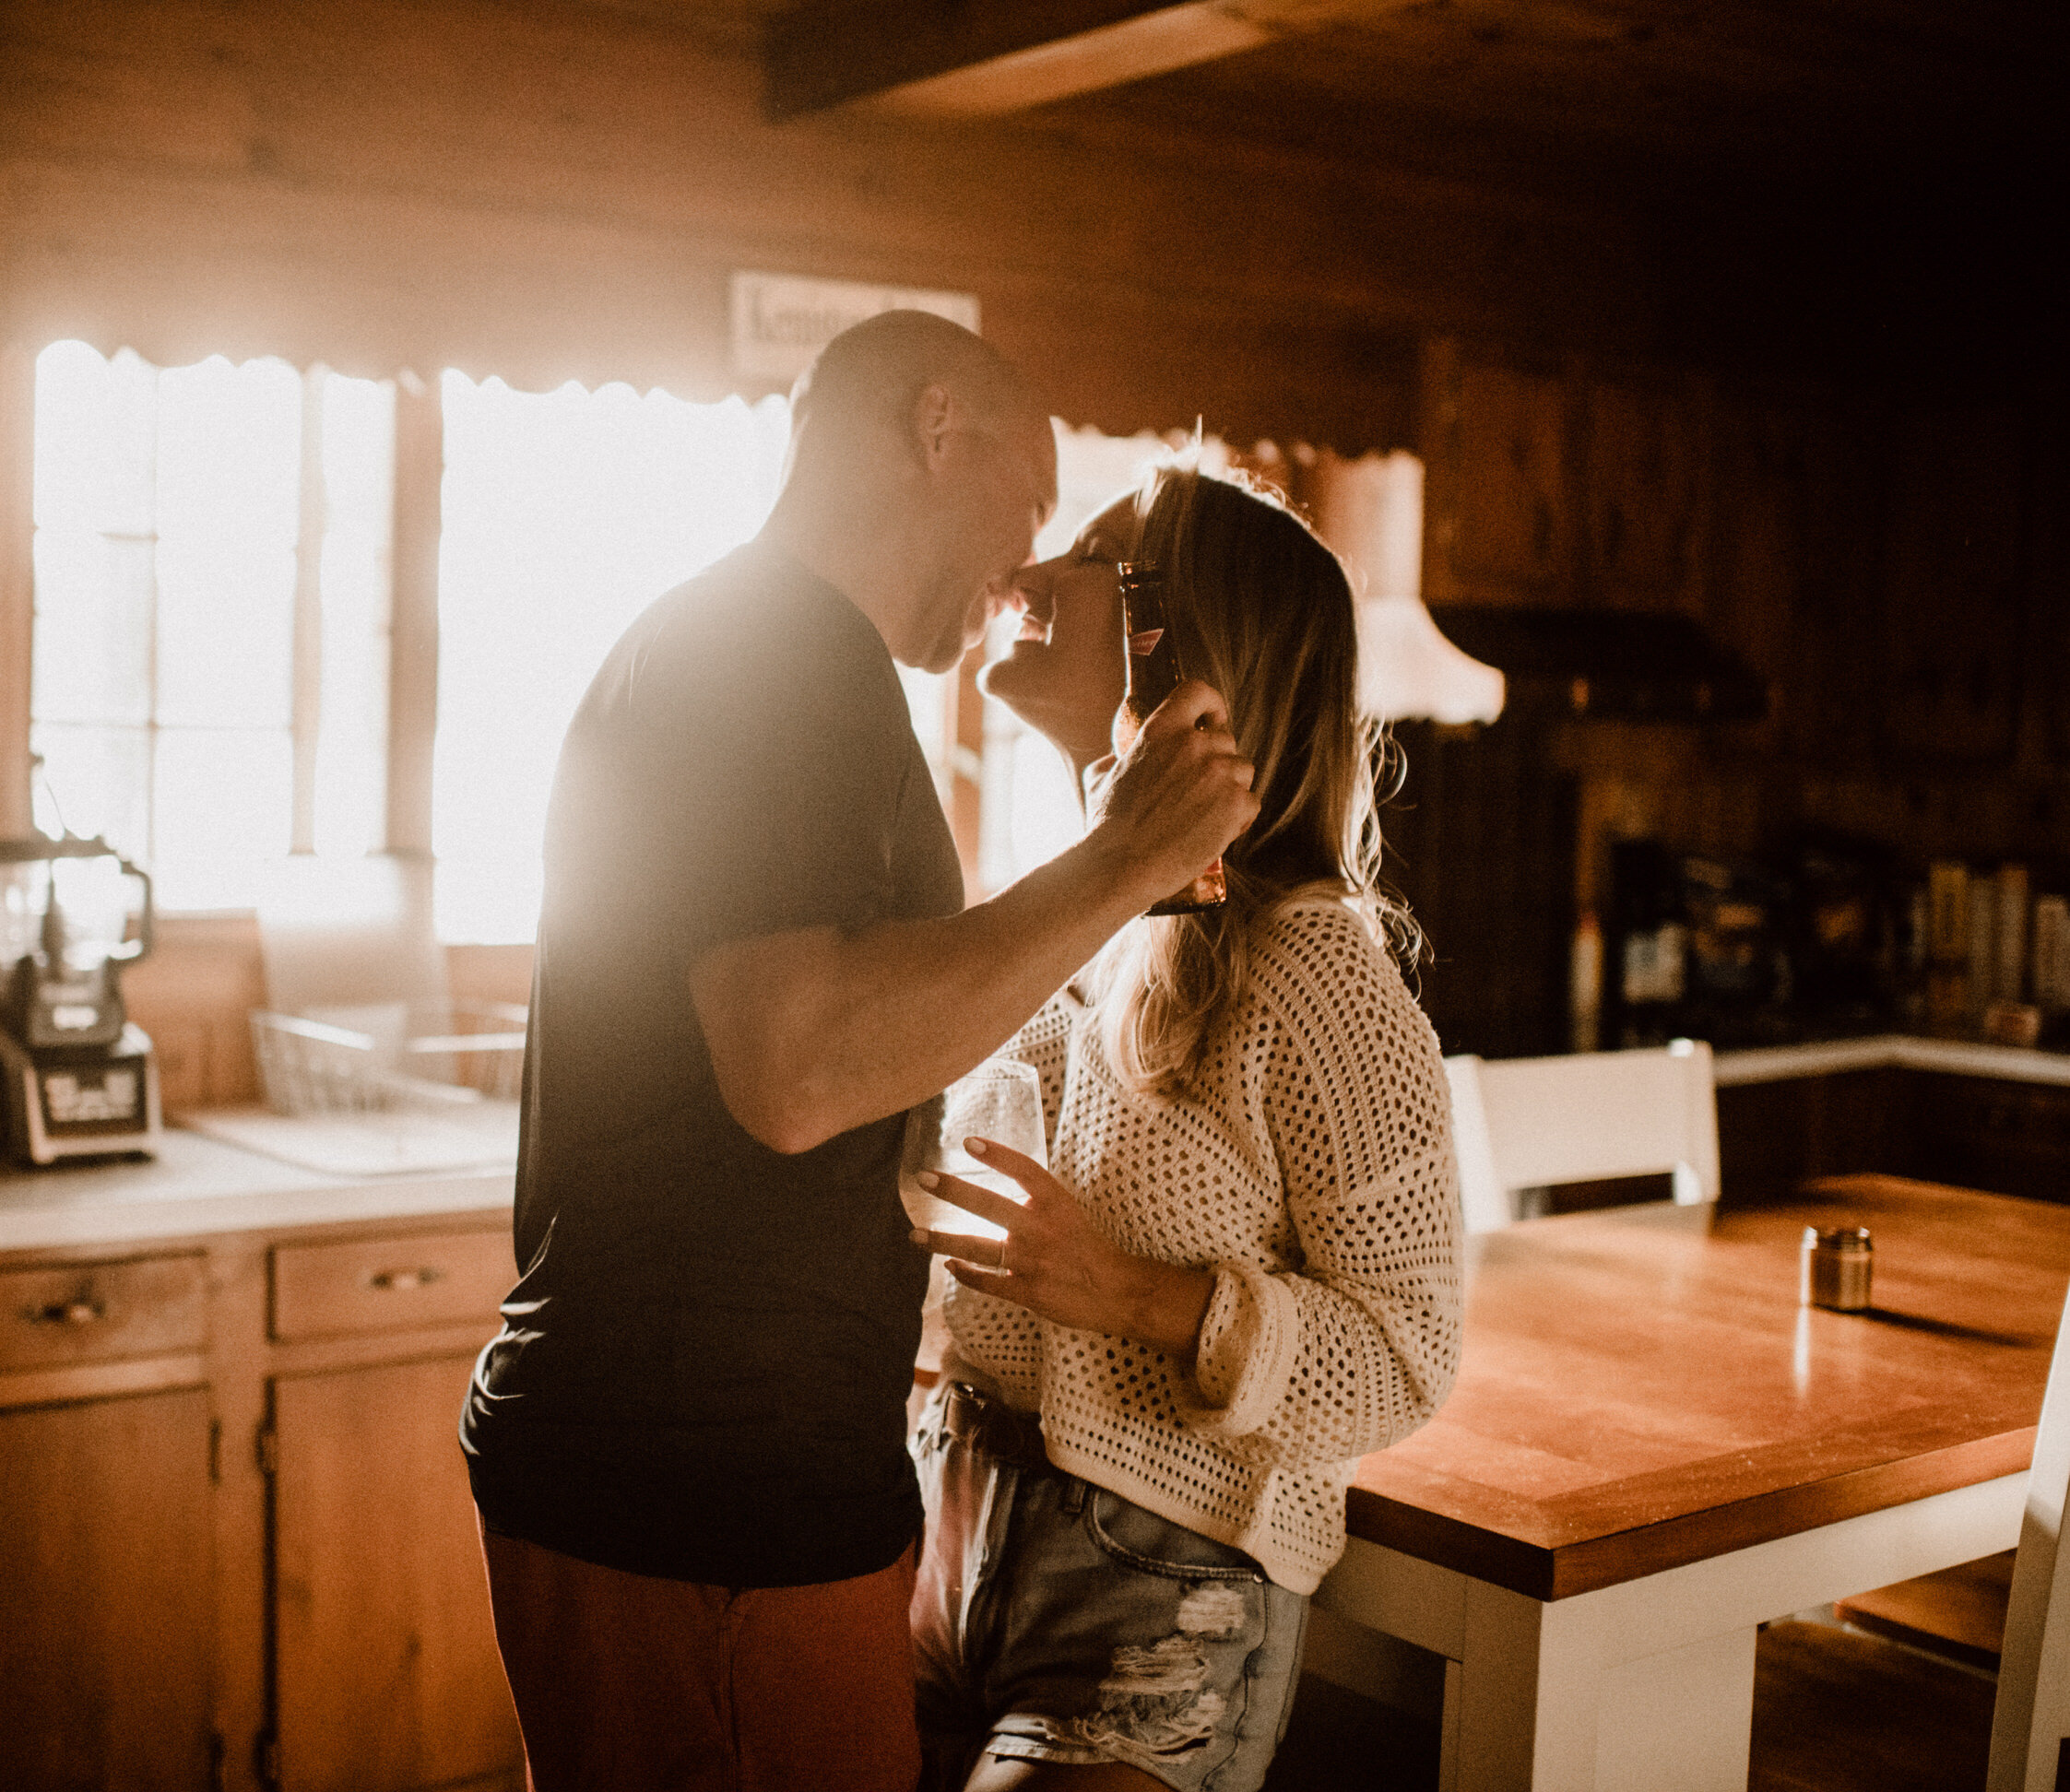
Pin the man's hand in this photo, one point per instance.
(1177, 796)
(1059, 1266)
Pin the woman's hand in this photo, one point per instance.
(1056, 1262)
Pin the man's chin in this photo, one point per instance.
(1000, 682)
(943, 656)
(1001, 678)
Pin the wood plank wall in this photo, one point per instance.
(550, 191)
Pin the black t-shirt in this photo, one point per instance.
(702, 1370)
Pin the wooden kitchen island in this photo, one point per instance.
(237, 1548)
(1652, 1449)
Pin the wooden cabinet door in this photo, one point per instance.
(386, 1668)
(1510, 534)
(106, 1610)
(1644, 462)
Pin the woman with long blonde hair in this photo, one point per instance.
(1240, 1271)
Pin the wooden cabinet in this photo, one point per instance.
(1773, 1135)
(361, 1285)
(1644, 465)
(71, 1314)
(2013, 1139)
(1510, 526)
(106, 1483)
(2048, 593)
(387, 1659)
(237, 1545)
(1562, 485)
(106, 1645)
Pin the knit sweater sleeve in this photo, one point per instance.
(1356, 1345)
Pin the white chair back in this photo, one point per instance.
(1530, 1123)
(1486, 1203)
(2031, 1725)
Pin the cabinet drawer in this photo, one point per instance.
(92, 1311)
(389, 1284)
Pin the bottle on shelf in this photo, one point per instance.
(1947, 946)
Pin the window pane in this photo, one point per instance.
(230, 450)
(927, 700)
(219, 807)
(1045, 817)
(226, 610)
(168, 507)
(358, 514)
(91, 656)
(96, 440)
(102, 781)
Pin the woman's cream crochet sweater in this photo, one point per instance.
(1311, 1168)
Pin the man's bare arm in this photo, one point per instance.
(814, 1031)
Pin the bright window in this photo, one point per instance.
(212, 591)
(563, 514)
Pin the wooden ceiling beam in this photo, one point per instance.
(981, 58)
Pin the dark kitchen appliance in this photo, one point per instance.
(76, 1077)
(1696, 947)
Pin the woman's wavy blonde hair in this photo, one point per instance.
(1263, 612)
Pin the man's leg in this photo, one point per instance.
(620, 1679)
(638, 1684)
(823, 1685)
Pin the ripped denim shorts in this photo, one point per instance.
(1055, 1620)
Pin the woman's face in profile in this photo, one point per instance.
(1064, 676)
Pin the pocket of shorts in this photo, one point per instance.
(1143, 1540)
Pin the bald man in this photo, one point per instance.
(687, 1442)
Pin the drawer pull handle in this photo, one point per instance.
(399, 1278)
(66, 1313)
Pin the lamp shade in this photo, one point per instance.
(1408, 671)
(1370, 510)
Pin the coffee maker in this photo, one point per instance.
(76, 1077)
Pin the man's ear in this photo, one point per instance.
(933, 414)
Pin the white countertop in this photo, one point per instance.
(1959, 1058)
(194, 1186)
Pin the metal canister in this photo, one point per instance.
(1837, 1262)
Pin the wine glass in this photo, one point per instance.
(1000, 1100)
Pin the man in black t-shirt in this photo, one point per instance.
(687, 1440)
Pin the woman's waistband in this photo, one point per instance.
(988, 1423)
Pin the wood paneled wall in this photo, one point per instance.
(547, 192)
(553, 191)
